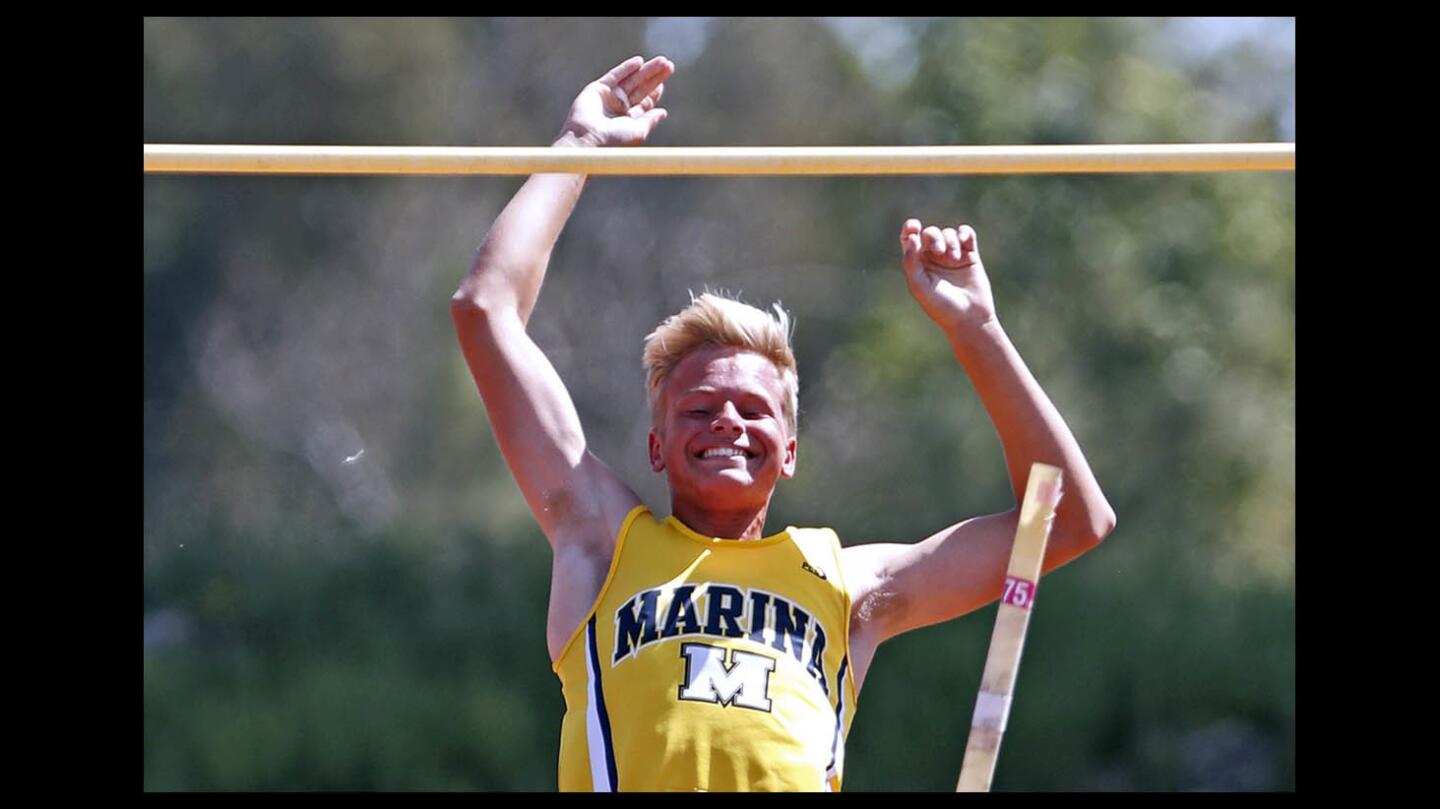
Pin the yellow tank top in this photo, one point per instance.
(710, 665)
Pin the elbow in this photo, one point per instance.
(467, 301)
(1086, 533)
(1102, 523)
(488, 289)
(471, 303)
(1078, 535)
(474, 320)
(468, 315)
(464, 308)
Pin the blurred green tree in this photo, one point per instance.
(318, 617)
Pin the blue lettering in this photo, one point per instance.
(758, 601)
(632, 632)
(817, 660)
(790, 626)
(727, 604)
(637, 623)
(681, 617)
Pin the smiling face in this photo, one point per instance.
(721, 437)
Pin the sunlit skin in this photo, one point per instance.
(730, 398)
(723, 398)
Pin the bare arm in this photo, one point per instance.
(899, 587)
(574, 496)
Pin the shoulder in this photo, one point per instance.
(822, 552)
(593, 519)
(637, 518)
(813, 535)
(818, 544)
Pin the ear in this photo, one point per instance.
(787, 469)
(657, 456)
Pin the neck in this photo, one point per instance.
(744, 524)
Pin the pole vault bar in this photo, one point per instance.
(720, 160)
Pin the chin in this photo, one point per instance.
(728, 481)
(728, 484)
(738, 482)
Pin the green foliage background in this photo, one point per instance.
(312, 624)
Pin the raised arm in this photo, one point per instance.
(898, 587)
(575, 497)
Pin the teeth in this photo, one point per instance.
(718, 452)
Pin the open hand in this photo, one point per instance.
(621, 107)
(946, 276)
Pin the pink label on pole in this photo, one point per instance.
(1050, 493)
(1018, 592)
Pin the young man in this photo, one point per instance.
(697, 652)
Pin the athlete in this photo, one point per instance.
(697, 652)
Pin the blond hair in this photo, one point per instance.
(714, 320)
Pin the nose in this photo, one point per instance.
(727, 421)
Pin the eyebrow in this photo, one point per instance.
(711, 389)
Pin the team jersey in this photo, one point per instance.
(710, 664)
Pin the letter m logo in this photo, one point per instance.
(744, 680)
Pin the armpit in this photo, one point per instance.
(878, 602)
